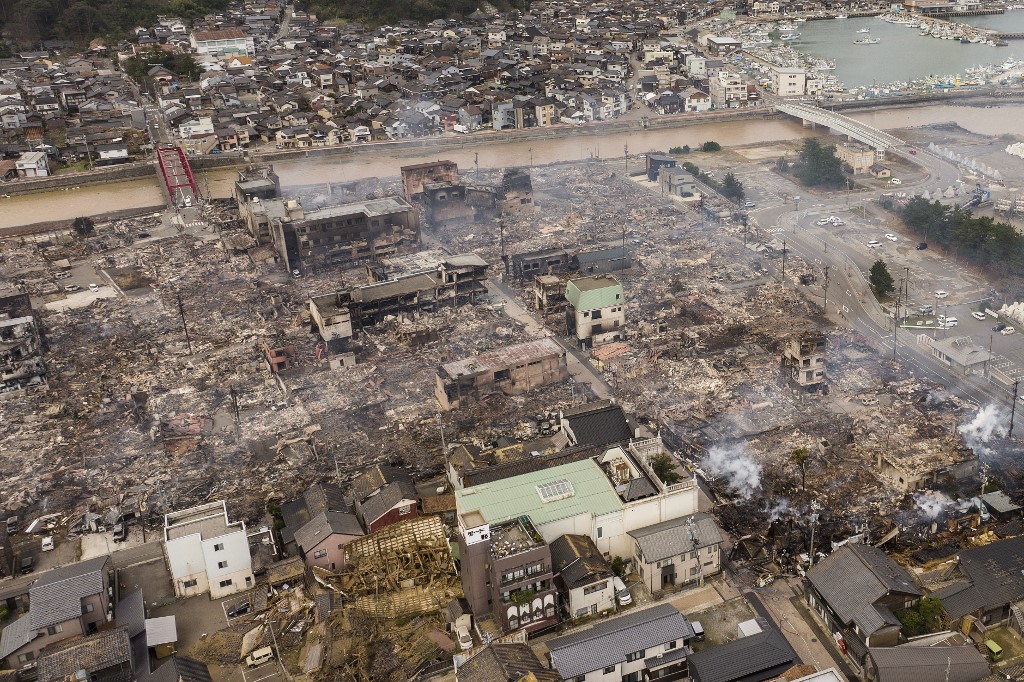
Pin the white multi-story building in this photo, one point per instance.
(789, 81)
(196, 126)
(229, 41)
(728, 90)
(206, 552)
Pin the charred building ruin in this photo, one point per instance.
(445, 199)
(803, 359)
(21, 362)
(513, 370)
(402, 286)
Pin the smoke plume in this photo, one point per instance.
(988, 423)
(931, 503)
(780, 509)
(733, 463)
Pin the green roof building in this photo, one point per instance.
(596, 312)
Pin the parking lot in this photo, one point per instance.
(267, 672)
(237, 606)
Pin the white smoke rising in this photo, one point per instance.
(931, 503)
(988, 423)
(780, 509)
(734, 463)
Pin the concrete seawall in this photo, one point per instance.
(61, 225)
(126, 171)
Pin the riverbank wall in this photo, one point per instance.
(125, 171)
(64, 225)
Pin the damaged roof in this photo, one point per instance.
(578, 560)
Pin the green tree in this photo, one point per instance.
(799, 456)
(686, 149)
(711, 146)
(619, 566)
(819, 166)
(925, 617)
(880, 279)
(665, 469)
(731, 188)
(691, 168)
(83, 225)
(782, 164)
(675, 150)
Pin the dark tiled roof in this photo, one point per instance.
(578, 560)
(504, 663)
(92, 654)
(16, 635)
(181, 669)
(609, 642)
(996, 572)
(500, 472)
(679, 536)
(130, 613)
(853, 578)
(751, 659)
(455, 608)
(57, 595)
(386, 498)
(375, 478)
(318, 498)
(929, 664)
(325, 524)
(602, 426)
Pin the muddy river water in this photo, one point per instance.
(101, 198)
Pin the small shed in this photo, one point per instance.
(880, 171)
(162, 635)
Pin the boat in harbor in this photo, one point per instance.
(867, 41)
(842, 16)
(800, 20)
(863, 30)
(789, 36)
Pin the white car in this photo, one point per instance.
(47, 543)
(621, 592)
(823, 221)
(895, 181)
(874, 244)
(891, 237)
(941, 294)
(978, 316)
(1008, 331)
(94, 288)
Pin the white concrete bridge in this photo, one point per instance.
(873, 137)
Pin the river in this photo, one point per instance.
(901, 54)
(94, 199)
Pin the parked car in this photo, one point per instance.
(921, 246)
(48, 543)
(621, 592)
(941, 294)
(895, 181)
(890, 237)
(765, 580)
(999, 327)
(259, 657)
(142, 235)
(749, 204)
(28, 564)
(698, 630)
(978, 316)
(873, 244)
(465, 639)
(239, 610)
(94, 288)
(926, 309)
(1007, 331)
(948, 322)
(913, 152)
(71, 287)
(296, 273)
(822, 221)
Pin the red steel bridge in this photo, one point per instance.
(181, 185)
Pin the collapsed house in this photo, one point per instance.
(512, 370)
(556, 260)
(446, 200)
(926, 463)
(21, 362)
(444, 281)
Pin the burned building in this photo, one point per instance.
(803, 359)
(506, 571)
(558, 261)
(515, 195)
(548, 294)
(21, 362)
(512, 370)
(255, 184)
(541, 262)
(415, 178)
(915, 463)
(442, 281)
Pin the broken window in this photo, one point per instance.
(503, 375)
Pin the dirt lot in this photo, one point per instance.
(720, 622)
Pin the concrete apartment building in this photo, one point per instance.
(70, 601)
(506, 571)
(803, 359)
(789, 81)
(228, 41)
(512, 370)
(206, 552)
(596, 311)
(602, 492)
(728, 90)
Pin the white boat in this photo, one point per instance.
(842, 16)
(789, 36)
(863, 30)
(867, 41)
(799, 20)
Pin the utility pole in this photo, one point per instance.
(783, 260)
(824, 305)
(184, 325)
(814, 520)
(895, 327)
(1013, 409)
(476, 162)
(625, 156)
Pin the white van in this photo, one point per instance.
(259, 657)
(621, 592)
(948, 321)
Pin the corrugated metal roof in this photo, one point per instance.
(517, 496)
(593, 293)
(162, 630)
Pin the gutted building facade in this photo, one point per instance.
(21, 348)
(803, 358)
(512, 370)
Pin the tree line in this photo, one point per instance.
(979, 239)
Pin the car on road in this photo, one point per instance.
(999, 327)
(941, 294)
(948, 322)
(1007, 331)
(239, 610)
(749, 204)
(895, 181)
(921, 246)
(94, 288)
(978, 316)
(891, 237)
(873, 244)
(926, 309)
